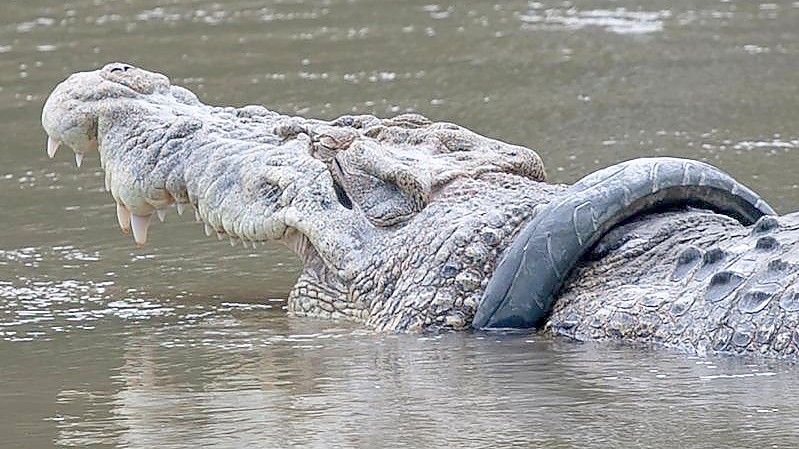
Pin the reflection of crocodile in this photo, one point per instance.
(400, 222)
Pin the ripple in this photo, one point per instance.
(772, 144)
(44, 48)
(25, 27)
(619, 21)
(28, 257)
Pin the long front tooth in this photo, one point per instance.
(219, 235)
(208, 230)
(232, 241)
(197, 215)
(179, 207)
(123, 217)
(52, 146)
(140, 223)
(161, 214)
(78, 159)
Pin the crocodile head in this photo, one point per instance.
(398, 222)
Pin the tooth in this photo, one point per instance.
(197, 215)
(208, 229)
(140, 223)
(52, 146)
(232, 241)
(179, 207)
(78, 159)
(161, 214)
(123, 217)
(219, 235)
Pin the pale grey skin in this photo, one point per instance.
(400, 222)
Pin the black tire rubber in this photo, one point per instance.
(521, 292)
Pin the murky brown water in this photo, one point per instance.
(186, 343)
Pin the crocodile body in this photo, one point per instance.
(695, 281)
(401, 223)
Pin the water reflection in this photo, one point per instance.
(343, 387)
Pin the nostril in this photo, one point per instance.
(123, 68)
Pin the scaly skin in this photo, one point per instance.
(400, 222)
(696, 280)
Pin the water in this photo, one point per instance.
(186, 343)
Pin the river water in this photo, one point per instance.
(187, 343)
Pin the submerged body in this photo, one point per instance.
(400, 223)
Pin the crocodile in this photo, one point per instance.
(406, 224)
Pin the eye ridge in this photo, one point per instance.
(341, 195)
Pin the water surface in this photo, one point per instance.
(187, 344)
